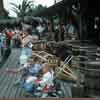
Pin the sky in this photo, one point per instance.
(8, 6)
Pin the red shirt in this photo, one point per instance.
(10, 34)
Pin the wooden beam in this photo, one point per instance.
(39, 56)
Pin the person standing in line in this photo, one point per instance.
(26, 45)
(56, 33)
(62, 31)
(72, 30)
(35, 32)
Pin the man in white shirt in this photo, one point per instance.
(40, 29)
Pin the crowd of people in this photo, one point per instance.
(38, 29)
(69, 31)
(38, 74)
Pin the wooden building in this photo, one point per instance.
(62, 11)
(87, 49)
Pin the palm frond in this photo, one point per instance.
(24, 8)
(13, 8)
(16, 11)
(15, 5)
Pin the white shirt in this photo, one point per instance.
(47, 79)
(40, 28)
(30, 45)
(71, 29)
(27, 39)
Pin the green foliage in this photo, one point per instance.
(27, 8)
(38, 8)
(22, 9)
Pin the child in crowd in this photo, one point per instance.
(44, 83)
(47, 78)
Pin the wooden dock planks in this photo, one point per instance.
(7, 88)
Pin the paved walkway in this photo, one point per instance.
(7, 88)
